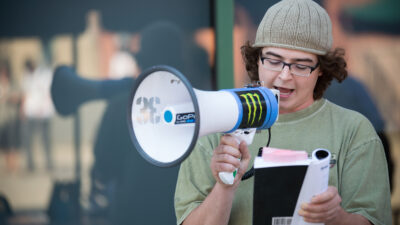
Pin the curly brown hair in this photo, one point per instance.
(332, 65)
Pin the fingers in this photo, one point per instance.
(226, 157)
(323, 207)
(228, 150)
(229, 140)
(244, 151)
(230, 155)
(225, 163)
(320, 217)
(326, 196)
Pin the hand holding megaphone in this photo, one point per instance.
(167, 115)
(240, 135)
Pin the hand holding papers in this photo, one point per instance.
(283, 180)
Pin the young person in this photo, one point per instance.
(292, 53)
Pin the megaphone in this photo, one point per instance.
(167, 115)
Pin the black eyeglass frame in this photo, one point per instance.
(290, 64)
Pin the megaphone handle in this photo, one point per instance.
(245, 135)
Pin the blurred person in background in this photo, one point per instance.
(126, 189)
(122, 62)
(37, 109)
(10, 100)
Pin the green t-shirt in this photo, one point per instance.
(360, 172)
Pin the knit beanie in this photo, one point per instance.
(296, 24)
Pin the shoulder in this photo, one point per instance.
(346, 116)
(353, 124)
(337, 109)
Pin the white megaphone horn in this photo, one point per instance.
(167, 115)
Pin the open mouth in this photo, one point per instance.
(284, 92)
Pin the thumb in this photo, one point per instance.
(245, 159)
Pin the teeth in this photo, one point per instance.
(285, 90)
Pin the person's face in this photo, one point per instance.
(296, 92)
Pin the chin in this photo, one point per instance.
(286, 107)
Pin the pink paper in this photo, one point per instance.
(283, 155)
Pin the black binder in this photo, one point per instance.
(276, 190)
(280, 187)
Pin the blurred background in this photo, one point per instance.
(69, 159)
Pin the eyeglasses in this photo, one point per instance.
(296, 69)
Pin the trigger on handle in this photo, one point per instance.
(246, 135)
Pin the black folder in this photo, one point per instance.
(276, 190)
(279, 186)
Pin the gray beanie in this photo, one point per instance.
(296, 24)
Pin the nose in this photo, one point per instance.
(285, 74)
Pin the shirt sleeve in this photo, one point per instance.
(195, 179)
(364, 186)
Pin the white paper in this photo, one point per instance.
(315, 182)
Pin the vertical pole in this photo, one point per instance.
(224, 10)
(77, 121)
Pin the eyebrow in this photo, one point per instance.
(295, 59)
